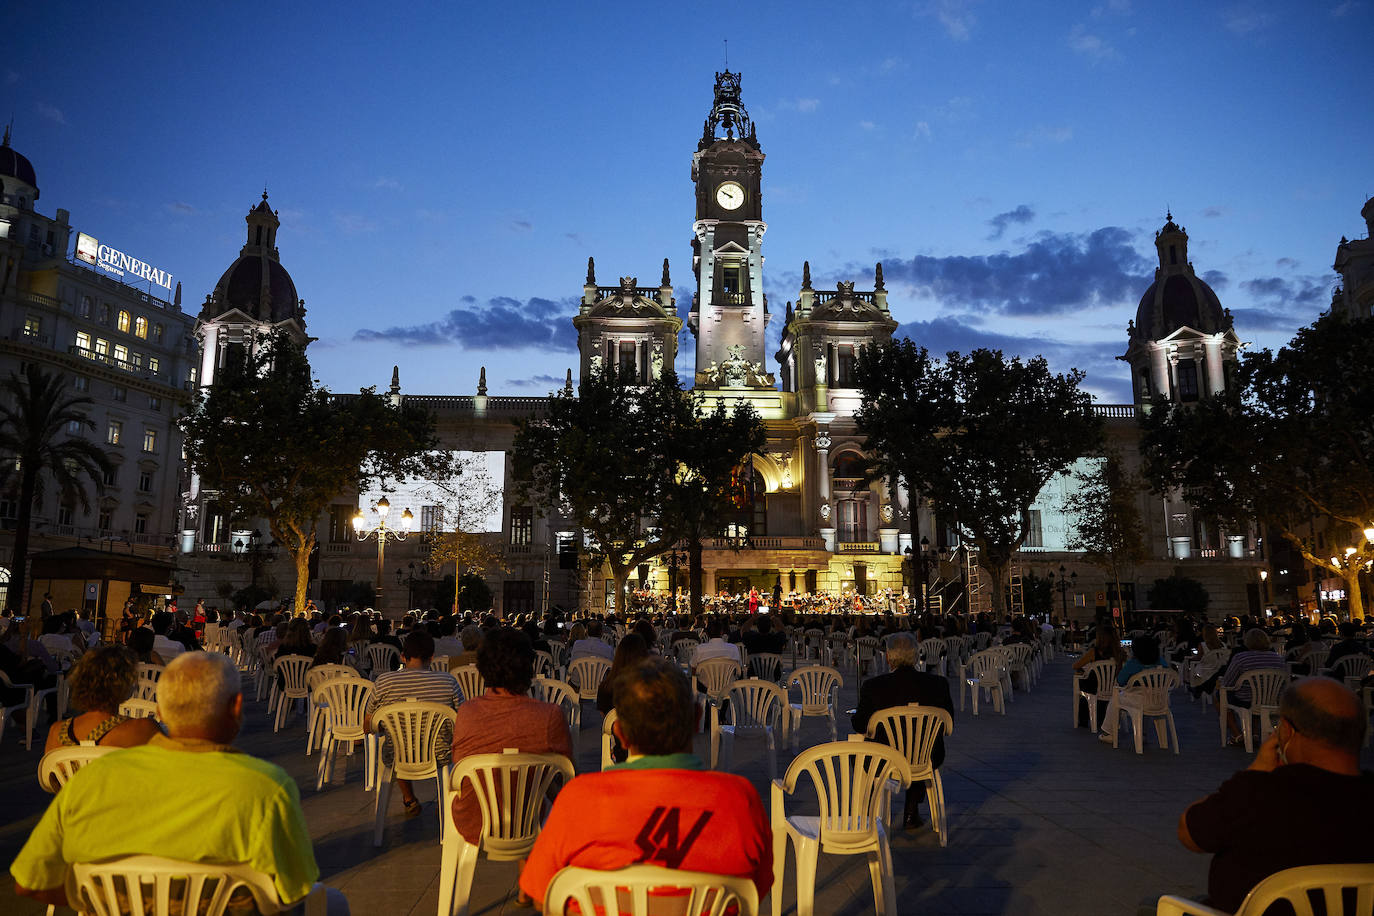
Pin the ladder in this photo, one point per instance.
(979, 599)
(1016, 600)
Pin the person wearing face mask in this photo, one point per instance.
(1302, 801)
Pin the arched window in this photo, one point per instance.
(141, 327)
(124, 321)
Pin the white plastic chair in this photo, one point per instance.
(314, 677)
(851, 780)
(135, 708)
(469, 681)
(1021, 663)
(562, 695)
(1105, 671)
(633, 888)
(911, 731)
(712, 680)
(30, 704)
(757, 707)
(413, 728)
(148, 675)
(156, 886)
(292, 670)
(381, 657)
(512, 790)
(987, 672)
(819, 686)
(342, 701)
(438, 663)
(933, 655)
(766, 665)
(586, 674)
(1265, 686)
(58, 764)
(607, 741)
(865, 652)
(1146, 694)
(1293, 885)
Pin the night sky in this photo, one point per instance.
(443, 172)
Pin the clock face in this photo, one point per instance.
(730, 195)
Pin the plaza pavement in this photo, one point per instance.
(1044, 818)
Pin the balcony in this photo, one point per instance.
(765, 543)
(857, 547)
(119, 364)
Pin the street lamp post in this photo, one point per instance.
(923, 558)
(408, 578)
(382, 532)
(1064, 584)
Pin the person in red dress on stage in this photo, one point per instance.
(753, 601)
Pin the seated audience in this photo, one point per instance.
(471, 641)
(903, 685)
(600, 820)
(446, 644)
(715, 645)
(1144, 655)
(1257, 655)
(591, 644)
(166, 647)
(1106, 646)
(332, 648)
(188, 796)
(414, 681)
(1347, 645)
(504, 716)
(1302, 801)
(102, 679)
(141, 642)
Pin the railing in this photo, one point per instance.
(30, 336)
(337, 549)
(848, 483)
(468, 402)
(124, 288)
(858, 547)
(121, 364)
(830, 295)
(1116, 411)
(41, 300)
(644, 292)
(764, 543)
(518, 548)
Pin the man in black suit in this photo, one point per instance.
(903, 685)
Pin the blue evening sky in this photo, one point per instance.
(443, 171)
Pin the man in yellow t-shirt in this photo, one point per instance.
(223, 806)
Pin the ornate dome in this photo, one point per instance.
(256, 283)
(1177, 297)
(15, 165)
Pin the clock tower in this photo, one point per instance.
(729, 310)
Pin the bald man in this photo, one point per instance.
(1303, 801)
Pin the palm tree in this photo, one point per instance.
(35, 416)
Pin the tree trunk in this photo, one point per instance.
(457, 585)
(694, 574)
(19, 564)
(1354, 595)
(301, 556)
(997, 572)
(619, 575)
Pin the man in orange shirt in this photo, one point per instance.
(661, 806)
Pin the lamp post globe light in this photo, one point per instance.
(382, 532)
(1064, 583)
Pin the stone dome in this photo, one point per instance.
(1178, 297)
(14, 164)
(256, 283)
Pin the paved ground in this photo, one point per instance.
(1044, 819)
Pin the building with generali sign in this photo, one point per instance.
(131, 353)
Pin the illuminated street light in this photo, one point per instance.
(382, 532)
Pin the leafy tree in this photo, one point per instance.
(35, 447)
(978, 436)
(1178, 592)
(636, 466)
(710, 446)
(273, 444)
(1104, 514)
(1290, 443)
(1038, 596)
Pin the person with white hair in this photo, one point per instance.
(219, 805)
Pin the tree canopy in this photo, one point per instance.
(1104, 514)
(36, 415)
(271, 443)
(1290, 443)
(636, 466)
(977, 435)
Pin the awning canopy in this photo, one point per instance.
(85, 564)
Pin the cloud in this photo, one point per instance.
(1246, 20)
(521, 225)
(1112, 8)
(1054, 274)
(805, 106)
(955, 15)
(387, 184)
(1094, 47)
(1043, 133)
(1215, 212)
(922, 130)
(538, 381)
(1285, 263)
(867, 125)
(354, 223)
(1344, 9)
(1297, 294)
(51, 112)
(1216, 279)
(1022, 214)
(181, 207)
(500, 323)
